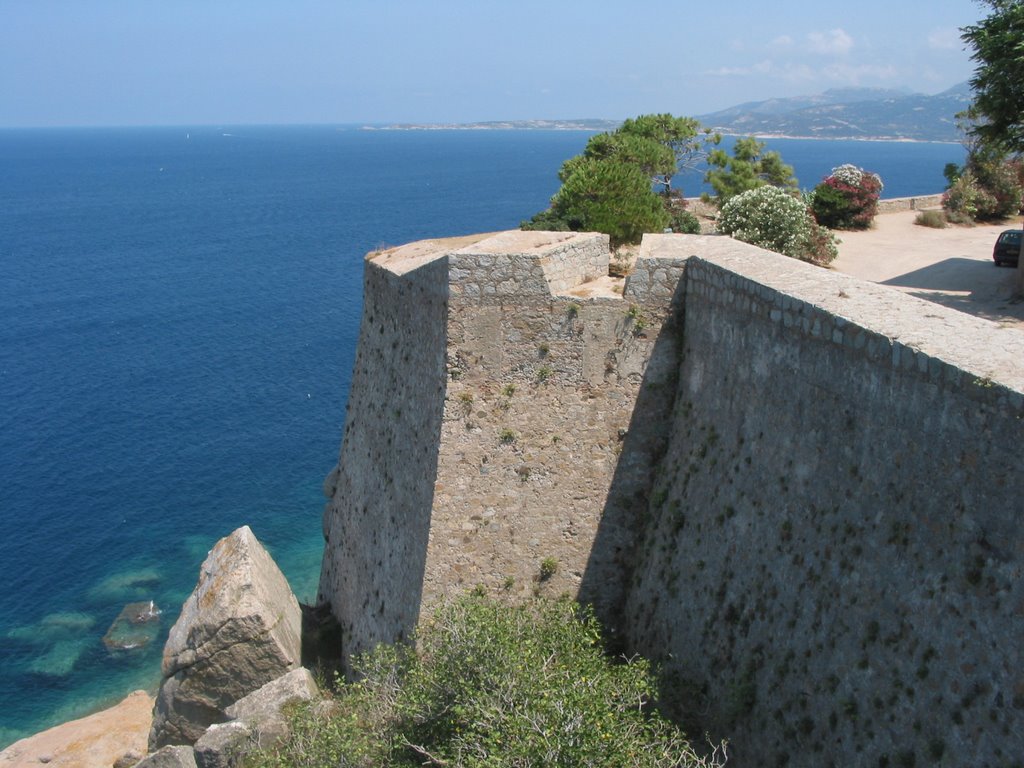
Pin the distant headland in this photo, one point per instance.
(872, 114)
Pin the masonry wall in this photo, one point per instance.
(378, 515)
(797, 491)
(544, 377)
(832, 569)
(491, 409)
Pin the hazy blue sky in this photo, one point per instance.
(162, 62)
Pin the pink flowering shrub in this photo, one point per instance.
(847, 198)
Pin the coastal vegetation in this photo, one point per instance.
(988, 187)
(847, 198)
(749, 167)
(621, 184)
(772, 218)
(998, 81)
(491, 685)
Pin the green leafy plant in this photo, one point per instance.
(544, 373)
(490, 685)
(933, 219)
(507, 436)
(548, 568)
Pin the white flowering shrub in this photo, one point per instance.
(852, 175)
(771, 218)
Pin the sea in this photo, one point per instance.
(179, 310)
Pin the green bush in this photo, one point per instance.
(491, 685)
(933, 219)
(683, 222)
(989, 187)
(1001, 189)
(771, 218)
(960, 200)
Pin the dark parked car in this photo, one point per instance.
(1007, 248)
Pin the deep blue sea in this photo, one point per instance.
(178, 316)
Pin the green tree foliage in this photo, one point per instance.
(749, 167)
(491, 685)
(602, 189)
(774, 219)
(998, 82)
(847, 198)
(684, 137)
(610, 196)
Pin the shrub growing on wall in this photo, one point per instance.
(771, 218)
(847, 198)
(492, 685)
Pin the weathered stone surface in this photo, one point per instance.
(223, 745)
(255, 719)
(97, 740)
(170, 757)
(262, 710)
(239, 629)
(779, 481)
(128, 759)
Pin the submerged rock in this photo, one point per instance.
(136, 626)
(239, 629)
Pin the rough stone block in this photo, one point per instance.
(169, 757)
(223, 745)
(263, 710)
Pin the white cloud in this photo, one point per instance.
(782, 41)
(760, 68)
(945, 39)
(835, 42)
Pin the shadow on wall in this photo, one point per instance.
(378, 521)
(608, 573)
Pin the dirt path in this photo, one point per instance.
(951, 266)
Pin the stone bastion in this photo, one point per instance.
(795, 490)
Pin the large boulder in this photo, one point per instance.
(239, 629)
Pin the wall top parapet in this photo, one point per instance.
(984, 349)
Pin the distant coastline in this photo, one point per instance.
(595, 125)
(504, 125)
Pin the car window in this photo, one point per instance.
(1010, 238)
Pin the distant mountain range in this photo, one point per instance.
(839, 113)
(849, 113)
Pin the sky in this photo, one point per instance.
(232, 62)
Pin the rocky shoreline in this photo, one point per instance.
(231, 662)
(100, 739)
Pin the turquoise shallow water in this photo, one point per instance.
(178, 315)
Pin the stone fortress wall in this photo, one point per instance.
(795, 490)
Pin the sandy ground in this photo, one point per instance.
(951, 266)
(96, 741)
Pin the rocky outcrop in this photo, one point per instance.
(97, 740)
(239, 629)
(169, 757)
(257, 719)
